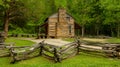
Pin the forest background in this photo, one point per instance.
(95, 17)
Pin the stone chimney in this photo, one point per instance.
(61, 15)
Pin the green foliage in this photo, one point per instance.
(97, 16)
(1, 12)
(60, 3)
(81, 9)
(16, 31)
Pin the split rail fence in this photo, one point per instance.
(56, 53)
(43, 49)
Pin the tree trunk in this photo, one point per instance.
(112, 31)
(97, 30)
(38, 32)
(83, 30)
(6, 24)
(118, 30)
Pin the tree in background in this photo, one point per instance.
(96, 17)
(60, 3)
(112, 15)
(81, 10)
(1, 16)
(36, 12)
(12, 12)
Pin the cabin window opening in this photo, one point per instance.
(52, 36)
(68, 18)
(70, 29)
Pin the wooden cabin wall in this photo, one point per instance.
(52, 27)
(60, 26)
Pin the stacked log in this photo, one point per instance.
(114, 48)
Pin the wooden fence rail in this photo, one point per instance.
(58, 53)
(42, 49)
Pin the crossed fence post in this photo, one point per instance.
(78, 46)
(12, 55)
(41, 47)
(56, 56)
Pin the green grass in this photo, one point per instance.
(69, 39)
(113, 40)
(81, 60)
(19, 42)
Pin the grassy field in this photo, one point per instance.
(19, 42)
(114, 40)
(81, 60)
(110, 40)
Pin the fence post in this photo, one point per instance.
(56, 56)
(41, 47)
(12, 55)
(78, 46)
(117, 49)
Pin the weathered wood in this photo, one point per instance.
(12, 56)
(87, 47)
(48, 50)
(46, 55)
(92, 43)
(95, 50)
(56, 56)
(41, 50)
(59, 53)
(16, 47)
(78, 46)
(2, 46)
(70, 55)
(69, 44)
(5, 55)
(53, 46)
(31, 48)
(22, 55)
(68, 52)
(4, 52)
(68, 49)
(60, 25)
(114, 47)
(98, 50)
(22, 58)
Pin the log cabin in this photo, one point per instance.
(60, 24)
